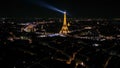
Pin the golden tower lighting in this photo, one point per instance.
(64, 30)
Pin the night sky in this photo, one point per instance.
(75, 8)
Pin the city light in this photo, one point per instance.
(46, 5)
(43, 4)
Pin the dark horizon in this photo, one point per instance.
(77, 9)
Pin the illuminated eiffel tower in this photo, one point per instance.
(64, 29)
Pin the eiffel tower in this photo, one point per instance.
(64, 30)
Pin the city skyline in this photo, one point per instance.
(81, 8)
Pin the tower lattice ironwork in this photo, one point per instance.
(64, 30)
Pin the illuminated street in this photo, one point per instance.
(59, 34)
(85, 47)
